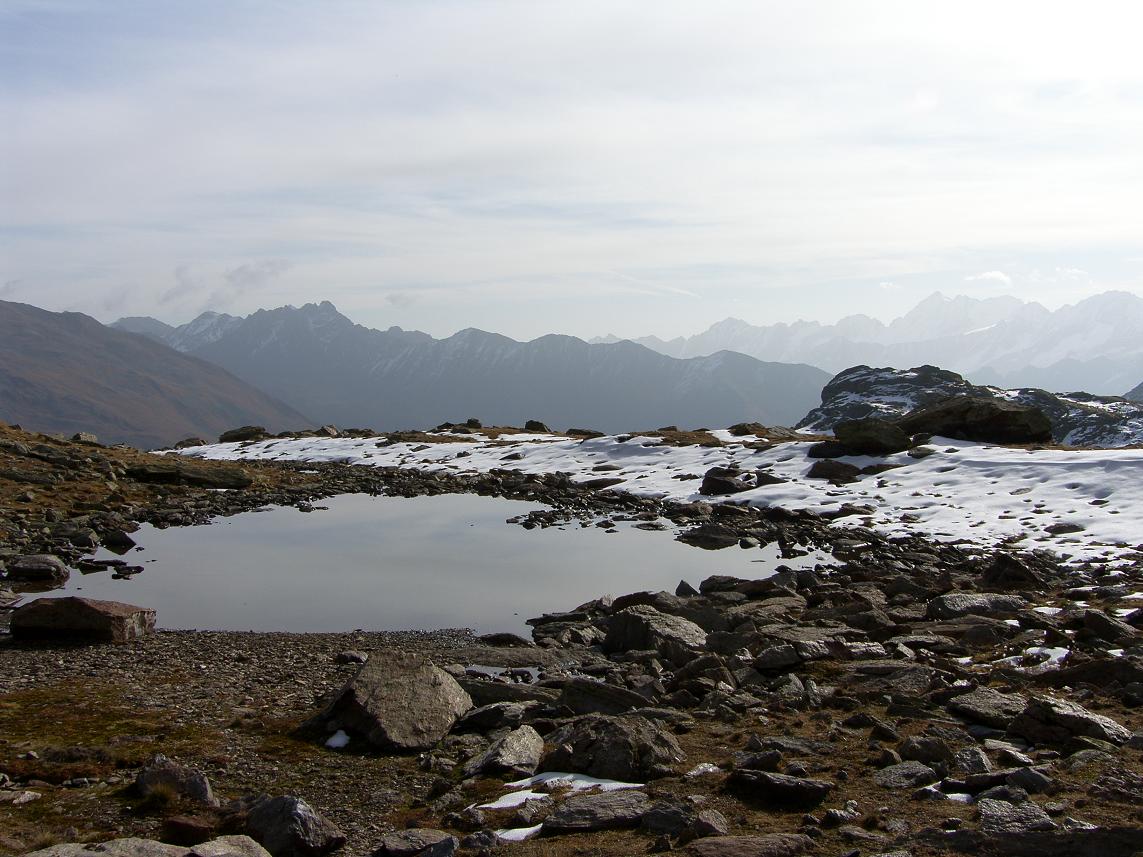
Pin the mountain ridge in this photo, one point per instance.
(67, 372)
(1094, 345)
(323, 363)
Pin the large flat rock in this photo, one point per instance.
(82, 618)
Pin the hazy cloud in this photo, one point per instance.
(491, 162)
(994, 276)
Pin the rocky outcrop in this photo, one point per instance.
(644, 627)
(1046, 720)
(82, 619)
(980, 419)
(402, 702)
(606, 811)
(1077, 419)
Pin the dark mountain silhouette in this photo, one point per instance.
(323, 364)
(66, 372)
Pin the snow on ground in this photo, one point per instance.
(963, 492)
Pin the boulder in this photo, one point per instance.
(611, 810)
(588, 696)
(244, 433)
(721, 481)
(414, 842)
(516, 752)
(999, 817)
(870, 436)
(83, 619)
(38, 567)
(642, 628)
(988, 706)
(781, 788)
(1047, 720)
(905, 775)
(401, 702)
(537, 426)
(954, 605)
(628, 748)
(223, 846)
(287, 826)
(837, 472)
(179, 473)
(770, 845)
(163, 773)
(979, 419)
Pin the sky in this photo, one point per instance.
(585, 168)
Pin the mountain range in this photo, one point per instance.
(66, 373)
(1094, 345)
(321, 363)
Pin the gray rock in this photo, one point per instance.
(972, 760)
(906, 775)
(999, 817)
(399, 702)
(770, 845)
(229, 846)
(644, 628)
(497, 715)
(81, 619)
(953, 605)
(612, 810)
(777, 657)
(517, 752)
(628, 748)
(1046, 720)
(37, 567)
(1031, 780)
(162, 773)
(287, 826)
(223, 846)
(417, 841)
(781, 788)
(710, 822)
(588, 696)
(987, 706)
(922, 748)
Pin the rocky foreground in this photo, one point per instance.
(911, 697)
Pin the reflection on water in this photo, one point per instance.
(391, 563)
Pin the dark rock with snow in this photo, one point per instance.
(720, 481)
(980, 419)
(1077, 419)
(612, 810)
(628, 748)
(871, 436)
(400, 702)
(287, 826)
(244, 433)
(837, 472)
(73, 618)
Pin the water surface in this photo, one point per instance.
(387, 563)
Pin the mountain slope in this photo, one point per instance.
(66, 372)
(1096, 344)
(1078, 419)
(322, 363)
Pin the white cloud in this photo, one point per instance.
(995, 276)
(501, 151)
